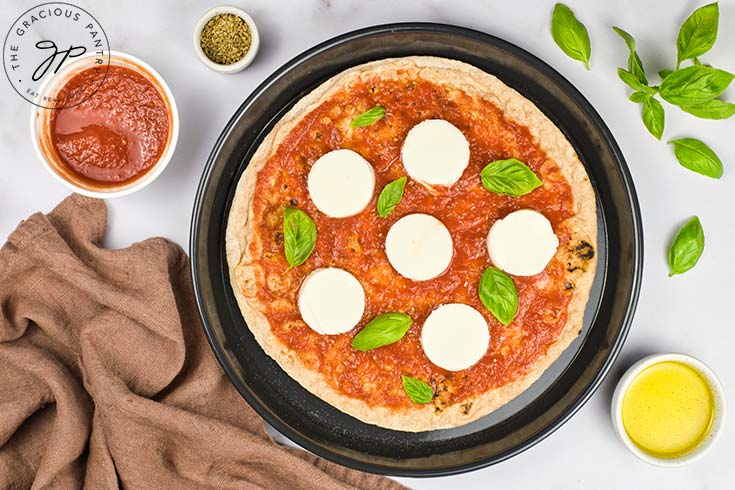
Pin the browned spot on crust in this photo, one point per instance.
(579, 256)
(584, 250)
(442, 392)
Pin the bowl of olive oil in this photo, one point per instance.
(668, 409)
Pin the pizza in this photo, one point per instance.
(414, 243)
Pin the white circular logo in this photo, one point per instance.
(46, 37)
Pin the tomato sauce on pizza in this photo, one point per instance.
(357, 243)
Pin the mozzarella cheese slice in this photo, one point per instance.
(522, 243)
(341, 183)
(455, 336)
(435, 153)
(419, 247)
(331, 301)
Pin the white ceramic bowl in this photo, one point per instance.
(40, 129)
(249, 56)
(717, 423)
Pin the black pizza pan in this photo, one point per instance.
(541, 409)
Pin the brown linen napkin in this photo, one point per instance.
(107, 381)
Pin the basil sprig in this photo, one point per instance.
(687, 247)
(418, 391)
(570, 34)
(697, 157)
(498, 293)
(299, 235)
(694, 85)
(693, 88)
(635, 77)
(384, 329)
(511, 177)
(368, 117)
(390, 196)
(698, 33)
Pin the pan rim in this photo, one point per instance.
(631, 301)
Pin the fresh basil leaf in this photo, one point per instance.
(665, 73)
(627, 37)
(382, 330)
(498, 293)
(697, 157)
(418, 391)
(299, 235)
(511, 177)
(698, 33)
(635, 65)
(638, 97)
(653, 117)
(694, 85)
(712, 109)
(368, 117)
(390, 196)
(632, 81)
(687, 247)
(570, 34)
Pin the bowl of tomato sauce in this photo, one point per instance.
(109, 126)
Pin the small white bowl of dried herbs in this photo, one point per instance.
(226, 39)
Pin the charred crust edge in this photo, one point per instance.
(579, 256)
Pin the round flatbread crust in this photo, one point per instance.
(516, 108)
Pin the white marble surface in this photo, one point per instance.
(691, 313)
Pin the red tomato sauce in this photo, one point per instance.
(117, 134)
(356, 244)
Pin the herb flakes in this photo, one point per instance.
(225, 39)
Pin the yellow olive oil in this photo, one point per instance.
(668, 409)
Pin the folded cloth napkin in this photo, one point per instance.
(106, 380)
